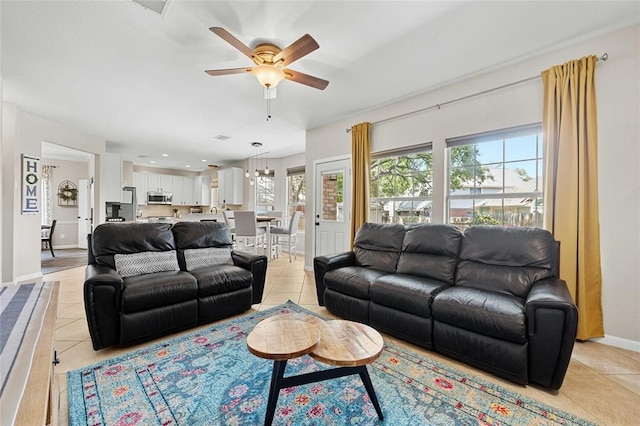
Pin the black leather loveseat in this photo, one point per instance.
(146, 280)
(490, 296)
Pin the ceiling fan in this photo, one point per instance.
(271, 61)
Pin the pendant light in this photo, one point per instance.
(266, 167)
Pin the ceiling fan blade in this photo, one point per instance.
(229, 38)
(229, 71)
(306, 79)
(296, 50)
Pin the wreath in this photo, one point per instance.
(67, 192)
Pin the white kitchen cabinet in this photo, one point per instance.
(202, 190)
(176, 185)
(140, 182)
(183, 194)
(113, 177)
(230, 186)
(159, 183)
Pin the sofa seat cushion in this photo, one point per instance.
(489, 313)
(407, 293)
(217, 279)
(352, 280)
(149, 291)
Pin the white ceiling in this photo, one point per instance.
(136, 78)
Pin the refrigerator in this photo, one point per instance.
(128, 204)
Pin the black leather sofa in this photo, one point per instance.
(489, 297)
(146, 280)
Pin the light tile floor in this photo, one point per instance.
(601, 385)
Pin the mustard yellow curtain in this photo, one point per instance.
(361, 176)
(570, 133)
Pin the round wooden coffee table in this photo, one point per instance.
(348, 345)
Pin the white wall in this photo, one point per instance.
(618, 93)
(24, 133)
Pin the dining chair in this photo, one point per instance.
(279, 215)
(231, 223)
(288, 234)
(46, 236)
(246, 228)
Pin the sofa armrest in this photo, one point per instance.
(552, 323)
(324, 264)
(257, 265)
(102, 294)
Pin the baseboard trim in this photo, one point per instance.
(30, 277)
(69, 246)
(619, 342)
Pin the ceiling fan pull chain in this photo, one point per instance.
(268, 103)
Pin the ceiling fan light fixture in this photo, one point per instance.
(268, 75)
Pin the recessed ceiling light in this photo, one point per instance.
(204, 161)
(153, 161)
(187, 166)
(165, 155)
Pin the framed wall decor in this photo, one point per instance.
(67, 194)
(30, 184)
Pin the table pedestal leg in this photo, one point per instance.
(278, 381)
(274, 389)
(366, 380)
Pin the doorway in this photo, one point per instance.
(72, 210)
(333, 206)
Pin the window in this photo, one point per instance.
(496, 178)
(265, 192)
(296, 192)
(401, 186)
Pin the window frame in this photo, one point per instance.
(262, 207)
(291, 172)
(493, 136)
(385, 201)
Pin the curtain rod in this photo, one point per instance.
(602, 58)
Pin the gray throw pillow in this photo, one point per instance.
(146, 262)
(202, 257)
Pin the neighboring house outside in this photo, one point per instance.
(506, 198)
(468, 205)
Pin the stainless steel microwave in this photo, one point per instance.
(159, 197)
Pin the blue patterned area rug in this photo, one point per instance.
(210, 378)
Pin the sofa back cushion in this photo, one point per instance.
(431, 251)
(378, 246)
(109, 239)
(507, 260)
(200, 235)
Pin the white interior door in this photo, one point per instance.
(333, 207)
(84, 209)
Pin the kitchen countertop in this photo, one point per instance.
(192, 217)
(196, 217)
